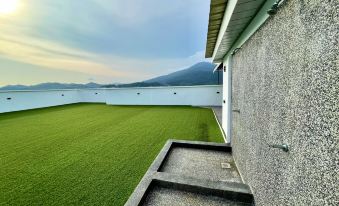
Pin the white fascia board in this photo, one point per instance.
(225, 21)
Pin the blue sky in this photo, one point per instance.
(104, 41)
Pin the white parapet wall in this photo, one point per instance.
(180, 95)
(189, 95)
(22, 100)
(92, 95)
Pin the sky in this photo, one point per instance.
(103, 41)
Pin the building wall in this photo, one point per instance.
(285, 84)
(195, 95)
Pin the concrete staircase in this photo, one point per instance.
(192, 173)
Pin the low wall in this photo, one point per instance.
(92, 95)
(22, 100)
(194, 95)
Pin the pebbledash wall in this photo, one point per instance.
(209, 95)
(285, 84)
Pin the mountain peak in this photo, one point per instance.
(199, 74)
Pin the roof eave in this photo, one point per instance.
(232, 33)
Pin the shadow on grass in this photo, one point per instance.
(203, 132)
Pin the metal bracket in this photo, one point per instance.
(236, 110)
(274, 9)
(283, 147)
(236, 50)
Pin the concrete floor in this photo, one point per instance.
(202, 164)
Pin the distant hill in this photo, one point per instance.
(44, 86)
(136, 84)
(198, 74)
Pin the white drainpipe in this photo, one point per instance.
(228, 99)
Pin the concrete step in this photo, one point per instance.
(192, 173)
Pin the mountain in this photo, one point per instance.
(137, 84)
(198, 74)
(45, 86)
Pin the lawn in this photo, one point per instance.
(89, 154)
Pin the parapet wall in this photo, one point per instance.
(187, 95)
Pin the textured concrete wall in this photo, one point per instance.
(286, 86)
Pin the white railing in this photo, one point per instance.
(178, 95)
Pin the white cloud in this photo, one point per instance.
(52, 55)
(17, 42)
(141, 69)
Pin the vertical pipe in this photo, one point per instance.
(224, 98)
(229, 99)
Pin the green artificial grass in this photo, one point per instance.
(89, 154)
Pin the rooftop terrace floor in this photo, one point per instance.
(91, 154)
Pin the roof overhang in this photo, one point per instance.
(231, 23)
(217, 11)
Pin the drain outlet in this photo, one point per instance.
(225, 165)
